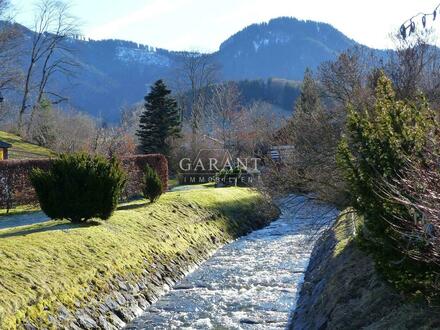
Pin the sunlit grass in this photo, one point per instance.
(344, 229)
(21, 209)
(56, 261)
(21, 149)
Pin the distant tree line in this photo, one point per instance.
(280, 92)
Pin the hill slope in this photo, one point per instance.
(21, 149)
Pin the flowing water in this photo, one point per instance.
(251, 283)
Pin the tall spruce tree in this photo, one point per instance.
(159, 121)
(309, 99)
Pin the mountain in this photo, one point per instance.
(116, 73)
(282, 48)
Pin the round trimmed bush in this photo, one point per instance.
(79, 187)
(152, 184)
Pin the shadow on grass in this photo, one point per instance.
(45, 228)
(246, 214)
(132, 206)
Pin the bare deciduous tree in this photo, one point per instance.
(49, 54)
(196, 73)
(224, 109)
(415, 67)
(9, 52)
(310, 140)
(257, 125)
(345, 79)
(75, 131)
(129, 121)
(113, 141)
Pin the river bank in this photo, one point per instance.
(251, 283)
(342, 290)
(102, 275)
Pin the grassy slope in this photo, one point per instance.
(342, 290)
(44, 264)
(19, 209)
(21, 149)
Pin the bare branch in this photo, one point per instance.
(49, 53)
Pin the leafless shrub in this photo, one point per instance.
(415, 66)
(417, 193)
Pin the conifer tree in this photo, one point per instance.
(159, 121)
(309, 100)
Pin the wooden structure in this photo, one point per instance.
(281, 153)
(4, 150)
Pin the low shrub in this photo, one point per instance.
(379, 143)
(152, 184)
(375, 148)
(79, 187)
(134, 167)
(224, 174)
(16, 188)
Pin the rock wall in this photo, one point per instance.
(342, 290)
(127, 298)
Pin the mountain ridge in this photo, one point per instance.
(118, 72)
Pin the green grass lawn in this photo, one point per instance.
(58, 262)
(21, 209)
(172, 183)
(21, 149)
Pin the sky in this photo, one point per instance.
(204, 24)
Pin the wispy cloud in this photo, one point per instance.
(204, 24)
(149, 11)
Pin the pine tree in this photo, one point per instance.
(159, 120)
(309, 100)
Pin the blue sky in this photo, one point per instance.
(204, 24)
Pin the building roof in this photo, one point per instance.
(5, 144)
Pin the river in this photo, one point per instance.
(251, 283)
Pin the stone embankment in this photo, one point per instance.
(342, 290)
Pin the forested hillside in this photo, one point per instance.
(112, 73)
